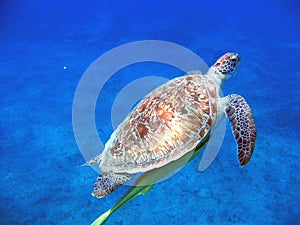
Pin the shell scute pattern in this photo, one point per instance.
(165, 125)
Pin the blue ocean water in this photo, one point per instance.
(41, 182)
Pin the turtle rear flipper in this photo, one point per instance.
(108, 182)
(243, 126)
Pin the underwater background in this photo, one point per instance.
(46, 46)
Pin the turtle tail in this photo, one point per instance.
(243, 126)
(96, 160)
(107, 182)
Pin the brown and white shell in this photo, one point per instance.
(165, 125)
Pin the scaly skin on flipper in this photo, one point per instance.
(243, 127)
(108, 182)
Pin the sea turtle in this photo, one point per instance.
(171, 121)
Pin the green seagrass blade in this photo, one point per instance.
(147, 180)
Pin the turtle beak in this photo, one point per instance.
(235, 57)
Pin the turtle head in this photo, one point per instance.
(226, 65)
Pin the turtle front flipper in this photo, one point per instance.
(243, 126)
(108, 182)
